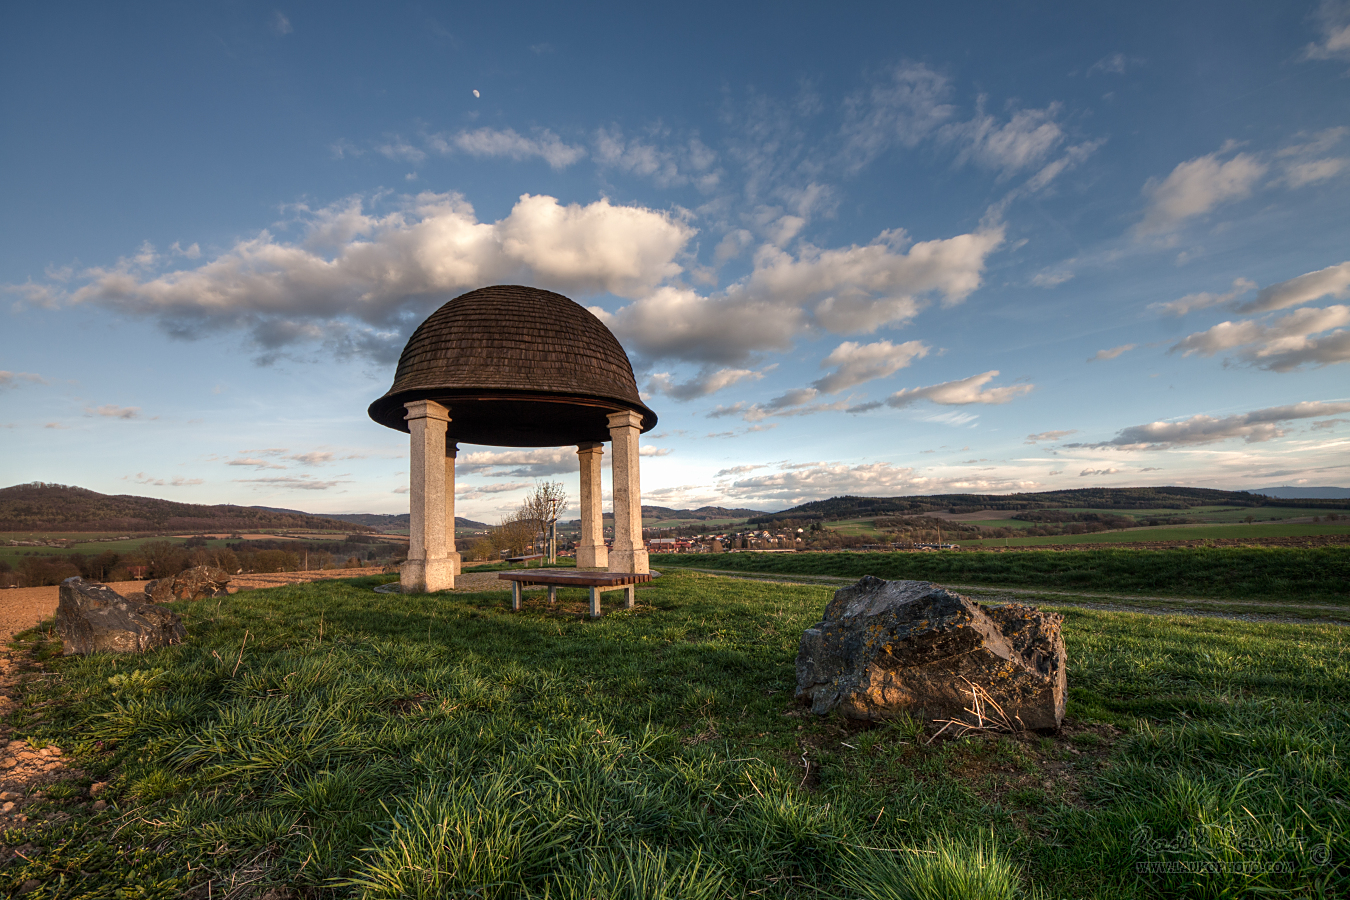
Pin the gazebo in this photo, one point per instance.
(515, 366)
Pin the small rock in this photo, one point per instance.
(8, 795)
(100, 804)
(8, 807)
(30, 885)
(8, 763)
(97, 788)
(196, 583)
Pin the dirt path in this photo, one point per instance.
(1114, 602)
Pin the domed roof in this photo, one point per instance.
(518, 367)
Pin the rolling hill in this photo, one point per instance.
(58, 507)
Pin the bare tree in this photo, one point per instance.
(542, 508)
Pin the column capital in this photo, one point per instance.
(426, 409)
(451, 449)
(624, 418)
(590, 447)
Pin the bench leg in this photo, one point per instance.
(515, 595)
(595, 603)
(552, 594)
(629, 597)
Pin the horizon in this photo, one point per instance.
(901, 253)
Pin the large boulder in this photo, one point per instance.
(191, 584)
(93, 618)
(886, 647)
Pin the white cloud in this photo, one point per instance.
(176, 481)
(1112, 353)
(904, 109)
(280, 23)
(496, 143)
(1254, 427)
(1087, 472)
(796, 402)
(1195, 187)
(384, 272)
(859, 363)
(1333, 281)
(254, 462)
(654, 451)
(707, 381)
(818, 481)
(294, 482)
(1283, 345)
(315, 457)
(852, 289)
(738, 470)
(1204, 299)
(519, 463)
(1314, 170)
(1049, 436)
(1112, 64)
(1334, 21)
(1051, 278)
(1007, 147)
(115, 412)
(959, 393)
(667, 166)
(15, 379)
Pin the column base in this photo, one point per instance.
(424, 576)
(596, 557)
(634, 561)
(455, 566)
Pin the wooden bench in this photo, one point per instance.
(598, 582)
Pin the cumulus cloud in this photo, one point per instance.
(478, 491)
(859, 363)
(1333, 281)
(1204, 299)
(846, 290)
(960, 393)
(115, 412)
(16, 379)
(1253, 427)
(1112, 353)
(1195, 187)
(707, 381)
(1087, 472)
(1049, 436)
(738, 470)
(357, 281)
(818, 481)
(1285, 344)
(519, 463)
(1333, 18)
(654, 451)
(507, 143)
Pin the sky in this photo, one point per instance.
(862, 248)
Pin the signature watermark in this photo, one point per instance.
(1221, 849)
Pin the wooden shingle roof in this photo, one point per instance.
(518, 367)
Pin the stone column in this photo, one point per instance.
(427, 568)
(591, 550)
(451, 451)
(629, 554)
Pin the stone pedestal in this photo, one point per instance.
(629, 553)
(428, 567)
(451, 451)
(591, 550)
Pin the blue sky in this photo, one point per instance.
(875, 249)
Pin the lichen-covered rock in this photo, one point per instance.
(191, 584)
(93, 618)
(886, 647)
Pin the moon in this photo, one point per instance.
(475, 93)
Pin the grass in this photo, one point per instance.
(351, 744)
(1239, 532)
(1271, 574)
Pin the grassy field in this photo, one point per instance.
(350, 744)
(1237, 532)
(1268, 574)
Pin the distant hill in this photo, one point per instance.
(383, 522)
(702, 514)
(58, 507)
(1085, 498)
(1305, 493)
